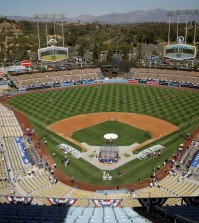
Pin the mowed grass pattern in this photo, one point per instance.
(175, 106)
(127, 135)
(44, 108)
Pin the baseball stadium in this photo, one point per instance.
(77, 146)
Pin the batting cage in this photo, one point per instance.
(109, 153)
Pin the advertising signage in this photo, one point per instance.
(26, 63)
(180, 52)
(153, 58)
(140, 81)
(52, 54)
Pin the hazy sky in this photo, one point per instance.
(72, 8)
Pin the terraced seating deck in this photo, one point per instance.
(13, 157)
(36, 79)
(152, 192)
(194, 73)
(140, 75)
(37, 213)
(9, 124)
(153, 76)
(166, 77)
(182, 72)
(194, 80)
(37, 75)
(155, 71)
(170, 72)
(142, 70)
(183, 213)
(179, 78)
(24, 77)
(4, 184)
(179, 187)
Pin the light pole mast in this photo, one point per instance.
(36, 16)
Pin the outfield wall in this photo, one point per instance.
(106, 81)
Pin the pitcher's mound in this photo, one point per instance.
(110, 136)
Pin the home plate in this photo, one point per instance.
(110, 136)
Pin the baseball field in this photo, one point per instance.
(177, 108)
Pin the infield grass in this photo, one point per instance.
(45, 108)
(127, 135)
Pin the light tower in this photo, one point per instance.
(46, 18)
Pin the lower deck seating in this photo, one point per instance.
(183, 213)
(47, 214)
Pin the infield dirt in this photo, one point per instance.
(157, 127)
(91, 187)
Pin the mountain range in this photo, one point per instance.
(138, 16)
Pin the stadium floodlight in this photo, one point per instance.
(178, 13)
(46, 18)
(54, 17)
(36, 17)
(62, 18)
(183, 12)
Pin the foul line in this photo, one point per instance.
(170, 138)
(188, 122)
(32, 118)
(40, 124)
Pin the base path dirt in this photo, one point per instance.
(157, 127)
(91, 187)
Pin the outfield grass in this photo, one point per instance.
(75, 101)
(127, 135)
(45, 108)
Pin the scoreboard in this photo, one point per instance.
(180, 52)
(52, 54)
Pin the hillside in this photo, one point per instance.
(18, 38)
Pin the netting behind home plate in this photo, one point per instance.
(109, 154)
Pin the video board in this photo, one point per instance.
(180, 52)
(52, 54)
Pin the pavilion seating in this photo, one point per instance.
(49, 78)
(191, 79)
(153, 76)
(169, 72)
(179, 78)
(67, 78)
(194, 73)
(37, 75)
(141, 73)
(77, 71)
(66, 72)
(182, 72)
(166, 77)
(142, 70)
(133, 69)
(24, 77)
(50, 74)
(13, 78)
(155, 71)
